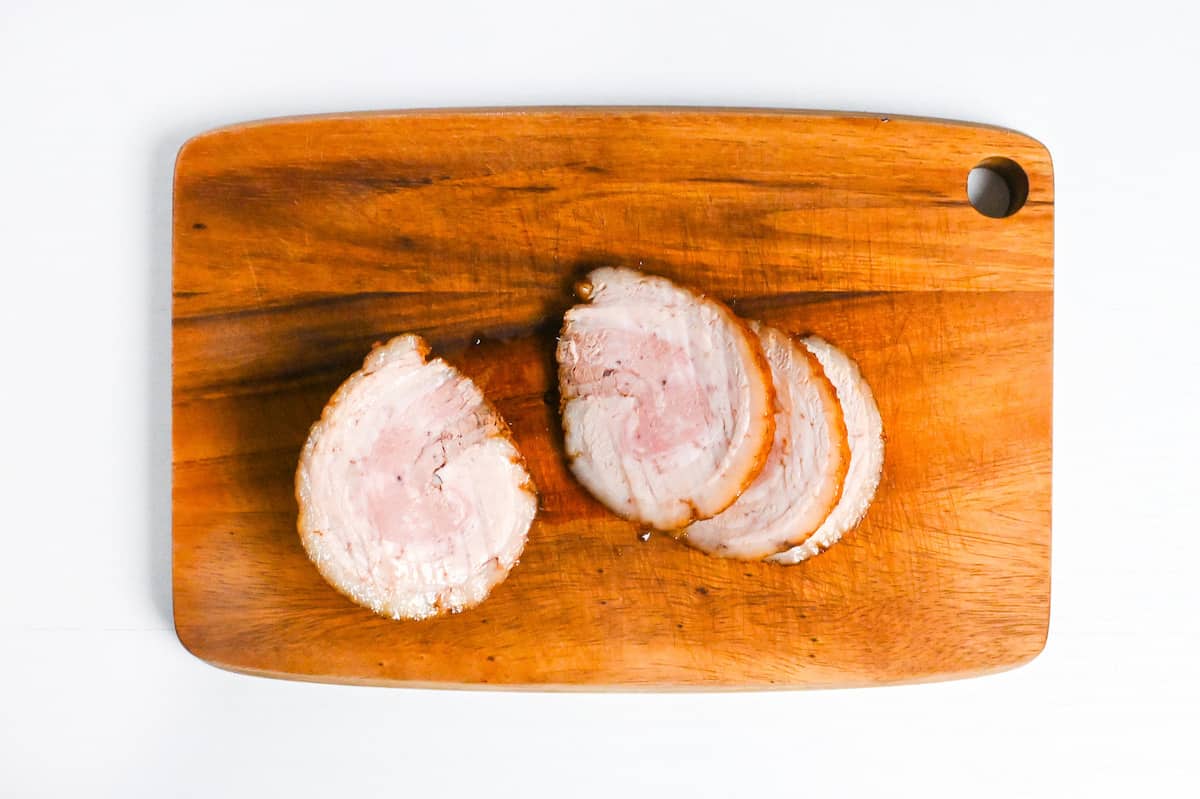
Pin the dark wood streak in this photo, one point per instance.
(378, 175)
(789, 185)
(750, 303)
(538, 189)
(316, 303)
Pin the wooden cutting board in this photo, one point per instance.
(300, 242)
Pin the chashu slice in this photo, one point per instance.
(413, 498)
(667, 400)
(802, 479)
(864, 427)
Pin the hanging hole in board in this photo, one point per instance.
(997, 187)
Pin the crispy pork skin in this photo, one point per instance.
(802, 479)
(864, 427)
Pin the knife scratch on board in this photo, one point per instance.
(248, 260)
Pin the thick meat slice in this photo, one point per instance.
(413, 499)
(802, 479)
(865, 429)
(667, 401)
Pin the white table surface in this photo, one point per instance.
(97, 697)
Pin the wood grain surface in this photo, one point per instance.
(298, 243)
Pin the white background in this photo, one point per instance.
(97, 697)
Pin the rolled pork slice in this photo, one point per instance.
(864, 428)
(802, 479)
(414, 501)
(667, 399)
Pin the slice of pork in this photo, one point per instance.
(667, 400)
(865, 429)
(802, 479)
(413, 498)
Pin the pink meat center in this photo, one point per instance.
(407, 502)
(660, 377)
